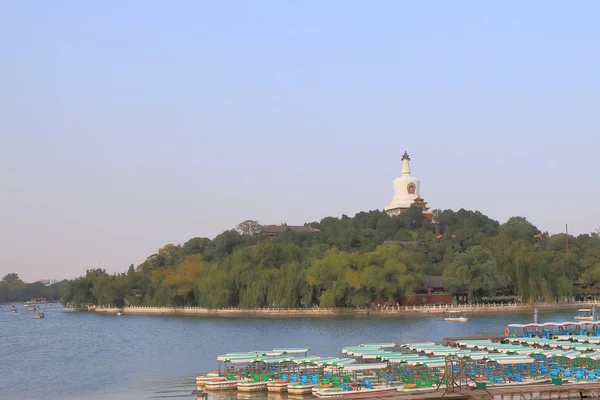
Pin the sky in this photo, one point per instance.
(128, 125)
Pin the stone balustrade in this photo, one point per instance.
(319, 311)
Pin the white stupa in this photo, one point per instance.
(406, 192)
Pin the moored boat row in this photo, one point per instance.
(354, 374)
(375, 370)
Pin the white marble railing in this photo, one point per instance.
(323, 310)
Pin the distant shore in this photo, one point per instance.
(395, 311)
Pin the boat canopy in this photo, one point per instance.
(338, 362)
(277, 360)
(379, 345)
(376, 356)
(552, 353)
(359, 353)
(307, 360)
(403, 357)
(580, 346)
(530, 350)
(428, 362)
(563, 324)
(514, 360)
(362, 367)
(454, 352)
(324, 359)
(435, 363)
(411, 345)
(293, 350)
(351, 349)
(246, 360)
(585, 310)
(568, 354)
(237, 357)
(478, 355)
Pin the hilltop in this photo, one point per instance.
(353, 261)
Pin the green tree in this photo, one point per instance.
(518, 228)
(472, 271)
(11, 278)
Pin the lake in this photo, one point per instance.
(80, 355)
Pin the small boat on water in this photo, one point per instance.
(252, 386)
(365, 392)
(119, 313)
(456, 316)
(585, 314)
(278, 386)
(32, 307)
(301, 388)
(202, 379)
(223, 384)
(14, 309)
(39, 314)
(357, 381)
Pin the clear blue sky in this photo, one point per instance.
(127, 125)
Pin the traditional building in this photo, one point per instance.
(406, 192)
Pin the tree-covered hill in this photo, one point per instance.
(13, 289)
(352, 261)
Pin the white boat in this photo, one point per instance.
(456, 316)
(365, 392)
(278, 386)
(301, 388)
(202, 379)
(222, 384)
(358, 389)
(584, 314)
(119, 313)
(250, 386)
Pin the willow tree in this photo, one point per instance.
(328, 276)
(388, 272)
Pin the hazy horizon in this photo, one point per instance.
(128, 126)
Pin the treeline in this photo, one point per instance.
(353, 261)
(13, 289)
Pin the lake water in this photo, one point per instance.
(79, 355)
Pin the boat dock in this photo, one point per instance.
(582, 390)
(485, 367)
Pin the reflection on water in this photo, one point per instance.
(88, 356)
(234, 395)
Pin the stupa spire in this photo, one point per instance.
(405, 164)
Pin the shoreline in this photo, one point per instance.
(391, 312)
